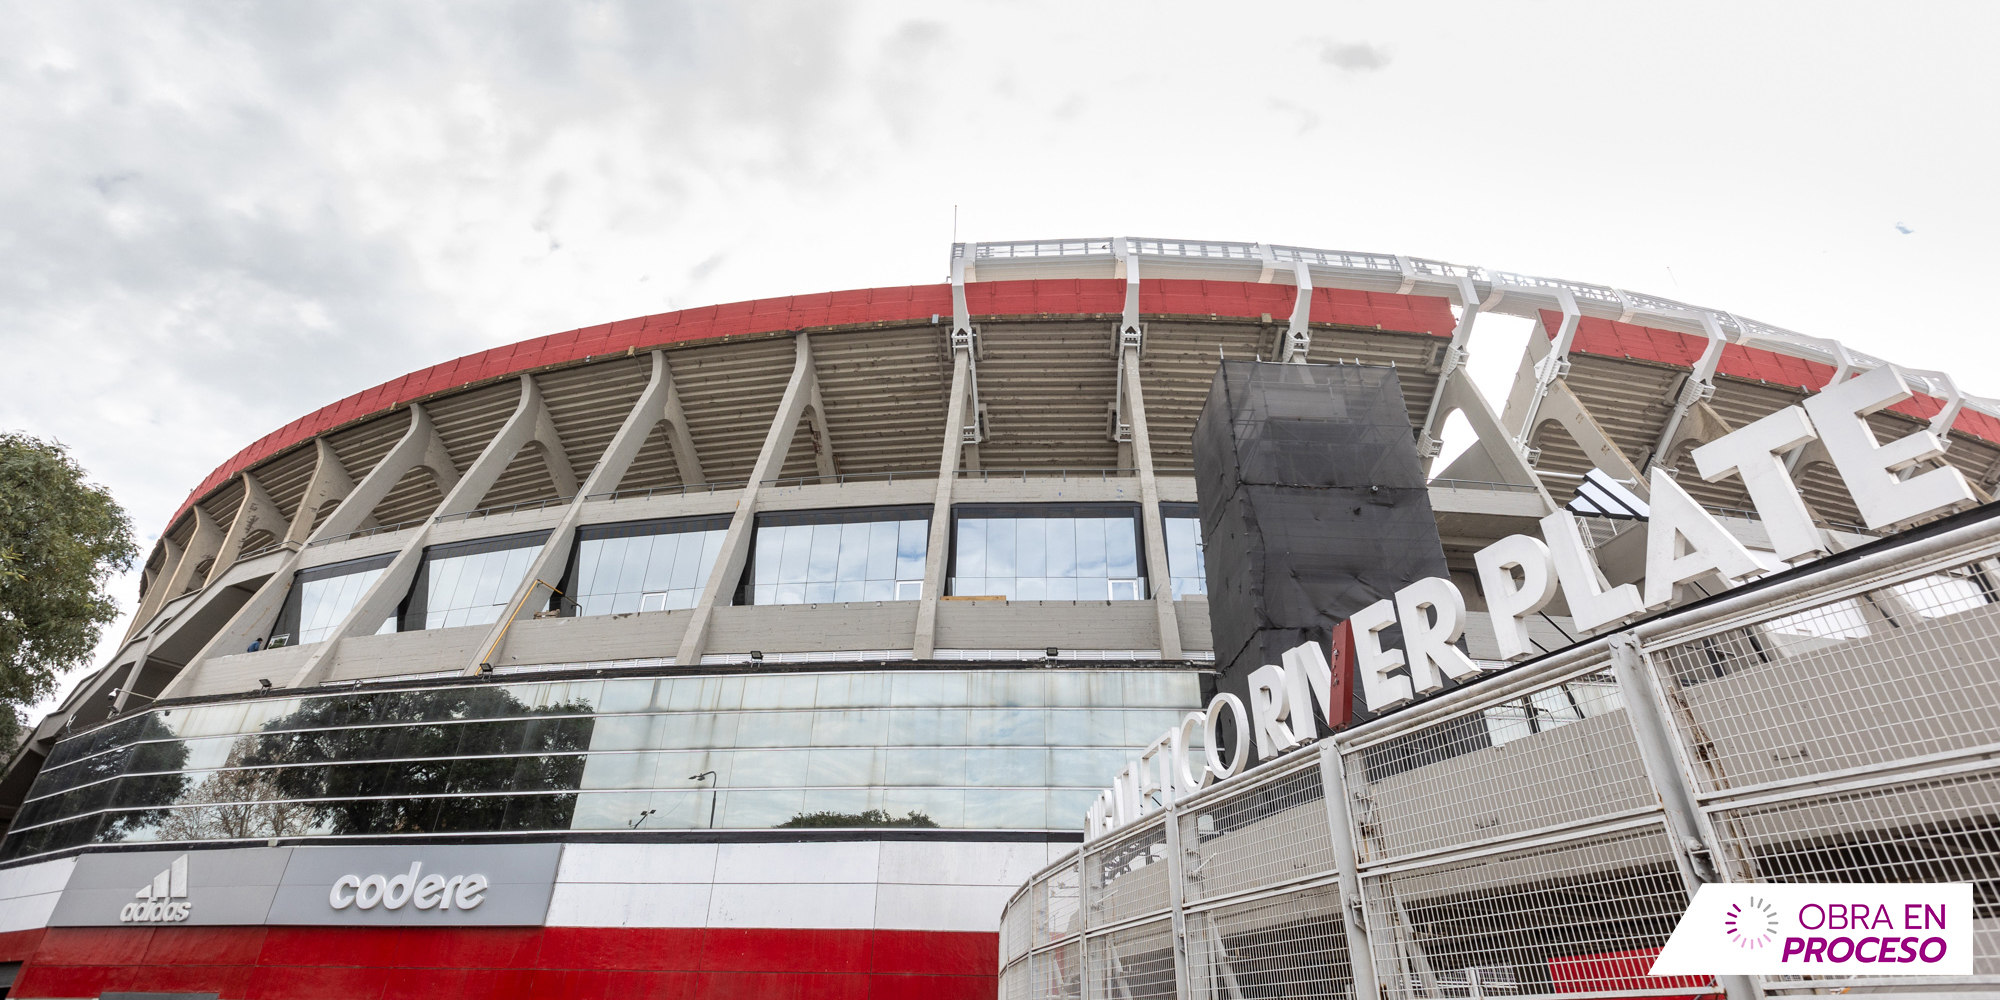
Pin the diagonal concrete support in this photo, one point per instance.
(656, 403)
(1492, 457)
(729, 562)
(329, 483)
(958, 411)
(257, 512)
(1561, 405)
(1159, 574)
(687, 461)
(202, 546)
(529, 423)
(419, 448)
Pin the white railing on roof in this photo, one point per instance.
(1528, 293)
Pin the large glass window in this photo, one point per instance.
(974, 749)
(644, 565)
(469, 583)
(1185, 558)
(840, 556)
(1082, 552)
(321, 597)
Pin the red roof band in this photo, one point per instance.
(912, 303)
(1613, 339)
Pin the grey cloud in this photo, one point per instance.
(1354, 57)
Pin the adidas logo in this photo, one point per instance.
(162, 901)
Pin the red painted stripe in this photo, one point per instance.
(302, 963)
(916, 303)
(1612, 339)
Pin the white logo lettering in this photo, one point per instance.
(159, 898)
(426, 892)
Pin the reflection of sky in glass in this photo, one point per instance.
(323, 603)
(473, 589)
(1049, 558)
(970, 749)
(1185, 556)
(839, 563)
(617, 576)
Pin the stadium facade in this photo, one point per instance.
(765, 649)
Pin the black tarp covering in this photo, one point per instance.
(1313, 506)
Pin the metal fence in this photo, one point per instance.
(1539, 833)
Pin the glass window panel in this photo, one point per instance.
(1090, 546)
(1030, 588)
(1000, 533)
(913, 542)
(620, 770)
(853, 559)
(1022, 767)
(632, 572)
(1079, 768)
(881, 551)
(847, 592)
(924, 766)
(845, 801)
(1063, 589)
(944, 806)
(1121, 547)
(881, 590)
(971, 548)
(743, 810)
(1006, 809)
(659, 570)
(768, 768)
(589, 553)
(842, 767)
(795, 561)
(824, 564)
(1031, 547)
(770, 551)
(774, 729)
(1005, 727)
(1061, 558)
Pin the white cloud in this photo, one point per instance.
(219, 216)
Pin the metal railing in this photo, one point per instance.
(1539, 833)
(667, 491)
(1064, 475)
(380, 529)
(507, 508)
(844, 478)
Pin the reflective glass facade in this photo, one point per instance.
(644, 566)
(469, 583)
(1185, 558)
(819, 557)
(1084, 552)
(973, 749)
(321, 597)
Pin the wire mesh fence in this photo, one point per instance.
(1516, 839)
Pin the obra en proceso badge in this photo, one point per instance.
(1839, 929)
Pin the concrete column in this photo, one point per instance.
(687, 461)
(156, 590)
(329, 482)
(1159, 573)
(736, 541)
(924, 643)
(529, 424)
(419, 448)
(204, 544)
(257, 512)
(656, 404)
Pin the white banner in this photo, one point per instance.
(1897, 929)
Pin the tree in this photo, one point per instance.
(61, 539)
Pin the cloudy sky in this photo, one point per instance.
(216, 217)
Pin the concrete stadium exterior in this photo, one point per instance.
(897, 578)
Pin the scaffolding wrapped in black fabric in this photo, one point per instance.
(1313, 506)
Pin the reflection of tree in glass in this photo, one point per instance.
(237, 804)
(872, 817)
(166, 759)
(440, 758)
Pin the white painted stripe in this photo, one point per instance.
(899, 885)
(28, 894)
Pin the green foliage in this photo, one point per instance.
(873, 817)
(61, 539)
(332, 750)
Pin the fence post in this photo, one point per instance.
(1696, 851)
(1353, 907)
(1175, 890)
